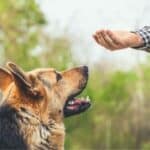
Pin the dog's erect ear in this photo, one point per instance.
(5, 79)
(22, 80)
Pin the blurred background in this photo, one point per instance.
(58, 34)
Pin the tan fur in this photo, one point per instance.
(43, 98)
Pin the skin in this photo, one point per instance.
(116, 40)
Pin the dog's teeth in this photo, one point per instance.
(71, 102)
(87, 98)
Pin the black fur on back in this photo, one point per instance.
(10, 136)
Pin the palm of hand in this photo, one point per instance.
(114, 40)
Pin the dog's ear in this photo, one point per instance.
(22, 81)
(5, 79)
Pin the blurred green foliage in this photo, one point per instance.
(119, 116)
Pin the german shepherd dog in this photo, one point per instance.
(35, 103)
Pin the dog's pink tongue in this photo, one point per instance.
(72, 107)
(76, 104)
(79, 102)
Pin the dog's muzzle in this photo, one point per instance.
(75, 105)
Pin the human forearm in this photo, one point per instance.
(115, 40)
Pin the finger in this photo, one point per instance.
(96, 38)
(109, 41)
(102, 41)
(98, 31)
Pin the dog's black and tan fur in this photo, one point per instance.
(34, 104)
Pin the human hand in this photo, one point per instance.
(115, 40)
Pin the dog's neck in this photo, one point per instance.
(36, 132)
(51, 134)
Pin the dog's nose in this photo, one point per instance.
(85, 70)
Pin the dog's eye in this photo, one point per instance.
(58, 76)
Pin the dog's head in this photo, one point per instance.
(45, 91)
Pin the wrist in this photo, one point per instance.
(137, 40)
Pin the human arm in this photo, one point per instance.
(116, 40)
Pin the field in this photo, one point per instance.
(119, 116)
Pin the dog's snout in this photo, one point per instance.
(85, 70)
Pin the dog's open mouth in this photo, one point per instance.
(75, 106)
